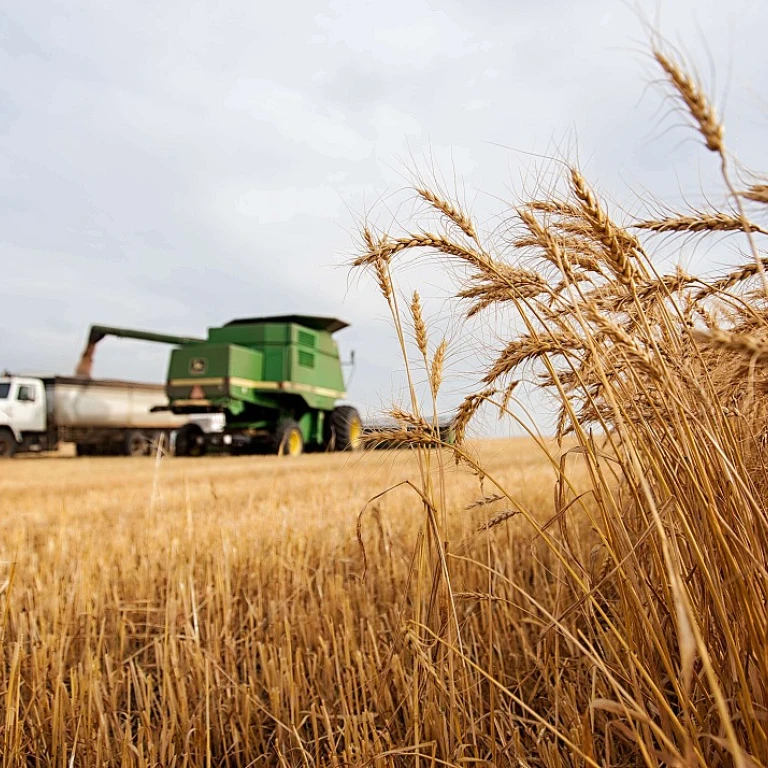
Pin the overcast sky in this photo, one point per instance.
(173, 164)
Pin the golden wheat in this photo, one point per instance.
(211, 612)
(655, 634)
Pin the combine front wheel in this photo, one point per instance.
(288, 440)
(346, 428)
(190, 441)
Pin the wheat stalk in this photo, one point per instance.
(467, 410)
(388, 247)
(436, 369)
(531, 347)
(729, 281)
(618, 244)
(497, 520)
(381, 267)
(705, 222)
(744, 343)
(695, 100)
(757, 193)
(419, 326)
(455, 214)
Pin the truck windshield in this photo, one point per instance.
(5, 388)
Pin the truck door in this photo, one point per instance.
(28, 406)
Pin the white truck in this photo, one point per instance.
(100, 416)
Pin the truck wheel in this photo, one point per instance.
(8, 444)
(345, 428)
(190, 441)
(288, 440)
(135, 444)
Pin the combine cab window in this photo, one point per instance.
(5, 388)
(26, 394)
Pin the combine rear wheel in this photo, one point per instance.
(346, 429)
(8, 444)
(288, 440)
(190, 441)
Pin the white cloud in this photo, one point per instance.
(296, 117)
(273, 206)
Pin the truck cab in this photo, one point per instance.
(23, 414)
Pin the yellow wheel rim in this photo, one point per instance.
(294, 443)
(355, 433)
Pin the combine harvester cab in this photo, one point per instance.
(276, 379)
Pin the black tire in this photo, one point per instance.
(190, 441)
(345, 429)
(288, 440)
(135, 444)
(8, 444)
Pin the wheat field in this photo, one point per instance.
(212, 612)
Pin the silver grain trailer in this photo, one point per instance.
(99, 416)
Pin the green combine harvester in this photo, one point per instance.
(277, 381)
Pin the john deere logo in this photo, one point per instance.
(198, 365)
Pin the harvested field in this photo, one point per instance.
(211, 611)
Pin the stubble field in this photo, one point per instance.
(213, 611)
